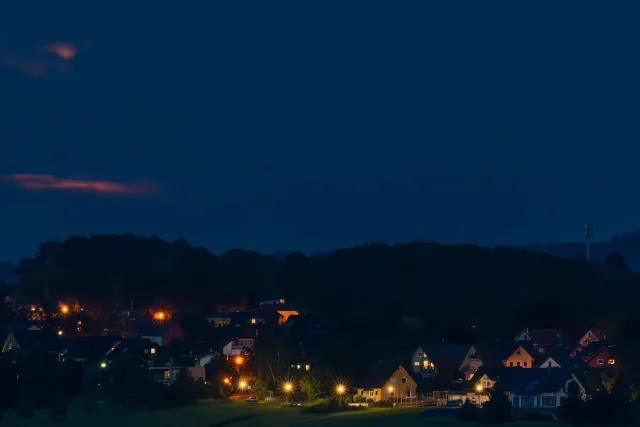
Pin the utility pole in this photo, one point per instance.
(588, 234)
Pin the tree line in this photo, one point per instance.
(416, 290)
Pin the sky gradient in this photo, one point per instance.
(313, 125)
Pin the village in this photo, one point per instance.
(537, 370)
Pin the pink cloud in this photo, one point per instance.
(64, 50)
(50, 182)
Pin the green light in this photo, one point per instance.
(103, 365)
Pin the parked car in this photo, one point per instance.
(252, 399)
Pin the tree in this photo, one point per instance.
(310, 387)
(259, 388)
(183, 389)
(498, 408)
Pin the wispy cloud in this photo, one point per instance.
(43, 60)
(63, 50)
(50, 182)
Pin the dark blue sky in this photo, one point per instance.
(311, 125)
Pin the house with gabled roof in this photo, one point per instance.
(27, 341)
(386, 381)
(543, 340)
(597, 354)
(428, 358)
(520, 358)
(538, 388)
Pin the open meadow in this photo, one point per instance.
(212, 414)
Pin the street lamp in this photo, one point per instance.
(243, 385)
(340, 389)
(288, 389)
(239, 360)
(479, 388)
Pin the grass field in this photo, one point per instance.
(206, 414)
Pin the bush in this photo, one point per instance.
(498, 408)
(358, 398)
(603, 408)
(468, 411)
(371, 401)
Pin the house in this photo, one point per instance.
(538, 388)
(237, 319)
(592, 334)
(597, 354)
(238, 346)
(90, 348)
(160, 334)
(165, 370)
(428, 358)
(520, 358)
(492, 354)
(486, 377)
(386, 381)
(132, 347)
(33, 340)
(560, 358)
(544, 340)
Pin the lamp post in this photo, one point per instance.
(479, 389)
(340, 390)
(288, 389)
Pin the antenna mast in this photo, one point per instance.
(588, 234)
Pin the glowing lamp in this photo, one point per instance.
(64, 309)
(60, 332)
(239, 360)
(226, 380)
(243, 384)
(340, 389)
(103, 365)
(288, 387)
(390, 389)
(479, 388)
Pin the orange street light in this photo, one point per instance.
(239, 360)
(390, 389)
(340, 389)
(64, 309)
(288, 387)
(479, 388)
(243, 385)
(159, 315)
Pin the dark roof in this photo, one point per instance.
(549, 337)
(492, 353)
(533, 381)
(377, 374)
(454, 353)
(43, 340)
(91, 347)
(593, 348)
(149, 328)
(132, 346)
(493, 373)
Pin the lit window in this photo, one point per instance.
(253, 321)
(612, 362)
(307, 367)
(416, 363)
(153, 351)
(167, 375)
(298, 366)
(425, 364)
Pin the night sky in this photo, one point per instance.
(317, 124)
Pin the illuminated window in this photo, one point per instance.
(425, 364)
(416, 363)
(167, 375)
(612, 362)
(153, 351)
(253, 321)
(307, 367)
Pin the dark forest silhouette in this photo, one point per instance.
(449, 287)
